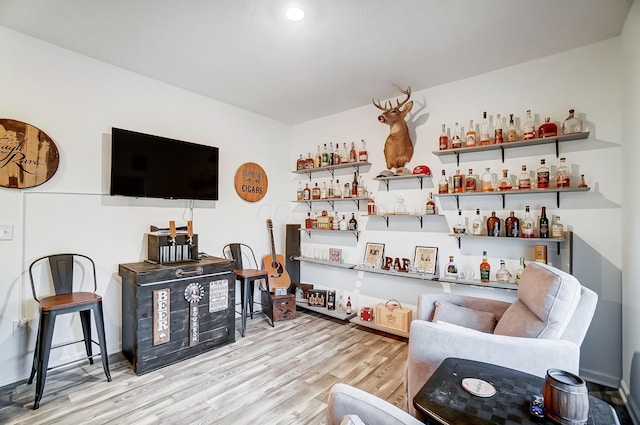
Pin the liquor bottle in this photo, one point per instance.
(524, 181)
(300, 163)
(343, 223)
(498, 135)
(315, 192)
(512, 134)
(314, 221)
(527, 224)
(430, 208)
(361, 188)
(582, 182)
(459, 228)
(306, 192)
(528, 128)
(502, 274)
(493, 225)
(452, 269)
(470, 182)
(317, 161)
(299, 192)
(323, 191)
(543, 175)
(485, 268)
(371, 206)
(443, 142)
(476, 225)
(471, 137)
(344, 157)
(487, 180)
(308, 222)
(346, 191)
(485, 138)
(543, 225)
(505, 182)
(563, 178)
(512, 226)
(571, 124)
(443, 184)
(309, 163)
(362, 155)
(348, 305)
(353, 223)
(337, 155)
(331, 155)
(458, 182)
(354, 186)
(520, 270)
(330, 191)
(325, 156)
(557, 229)
(353, 155)
(548, 129)
(456, 141)
(336, 222)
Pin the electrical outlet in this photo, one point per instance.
(20, 327)
(6, 232)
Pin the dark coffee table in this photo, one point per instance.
(442, 400)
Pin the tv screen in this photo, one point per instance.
(147, 166)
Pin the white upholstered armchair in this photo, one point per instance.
(542, 329)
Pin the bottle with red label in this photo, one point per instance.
(443, 142)
(543, 175)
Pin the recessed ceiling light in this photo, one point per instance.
(294, 14)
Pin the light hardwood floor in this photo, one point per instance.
(279, 376)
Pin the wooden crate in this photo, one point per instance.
(284, 306)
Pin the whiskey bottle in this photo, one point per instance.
(306, 192)
(493, 225)
(300, 163)
(548, 129)
(505, 182)
(317, 161)
(543, 175)
(361, 188)
(476, 225)
(353, 223)
(430, 208)
(563, 178)
(470, 182)
(502, 274)
(371, 206)
(524, 181)
(557, 229)
(325, 156)
(443, 184)
(363, 156)
(346, 191)
(512, 226)
(323, 191)
(330, 191)
(487, 180)
(498, 136)
(354, 186)
(353, 155)
(345, 156)
(443, 141)
(458, 182)
(336, 222)
(571, 124)
(337, 190)
(348, 305)
(456, 141)
(528, 128)
(543, 224)
(485, 139)
(343, 223)
(299, 192)
(459, 228)
(451, 270)
(527, 224)
(337, 155)
(315, 192)
(331, 155)
(308, 222)
(309, 163)
(520, 270)
(471, 137)
(512, 134)
(485, 268)
(582, 183)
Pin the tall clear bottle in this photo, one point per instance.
(528, 128)
(498, 134)
(571, 124)
(363, 156)
(459, 228)
(471, 136)
(520, 270)
(485, 137)
(476, 225)
(443, 184)
(563, 178)
(524, 181)
(512, 133)
(456, 141)
(487, 180)
(527, 224)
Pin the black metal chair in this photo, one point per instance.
(247, 272)
(66, 300)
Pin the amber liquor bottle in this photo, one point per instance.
(354, 186)
(471, 136)
(443, 184)
(512, 226)
(485, 268)
(543, 175)
(456, 141)
(485, 139)
(563, 178)
(512, 134)
(443, 142)
(430, 206)
(470, 182)
(543, 225)
(528, 128)
(458, 182)
(493, 225)
(498, 136)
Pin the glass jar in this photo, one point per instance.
(571, 124)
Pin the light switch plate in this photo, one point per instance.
(6, 232)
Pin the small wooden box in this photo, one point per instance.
(392, 315)
(284, 306)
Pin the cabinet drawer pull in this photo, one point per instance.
(182, 273)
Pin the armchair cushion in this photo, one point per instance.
(483, 321)
(547, 299)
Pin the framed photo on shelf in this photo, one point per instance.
(426, 259)
(373, 253)
(335, 255)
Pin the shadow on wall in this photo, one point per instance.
(605, 333)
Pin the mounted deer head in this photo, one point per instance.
(398, 149)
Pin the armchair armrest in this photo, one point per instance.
(430, 343)
(426, 304)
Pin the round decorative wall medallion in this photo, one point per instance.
(28, 156)
(251, 182)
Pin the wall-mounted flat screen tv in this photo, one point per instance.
(146, 166)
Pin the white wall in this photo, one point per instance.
(631, 237)
(587, 79)
(76, 100)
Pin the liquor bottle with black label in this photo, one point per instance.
(544, 224)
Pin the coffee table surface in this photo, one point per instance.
(442, 400)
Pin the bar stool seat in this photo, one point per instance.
(65, 301)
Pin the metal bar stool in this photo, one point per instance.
(65, 301)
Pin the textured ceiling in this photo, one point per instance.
(243, 52)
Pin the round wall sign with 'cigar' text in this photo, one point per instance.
(251, 182)
(28, 156)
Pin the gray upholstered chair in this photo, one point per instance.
(542, 329)
(352, 406)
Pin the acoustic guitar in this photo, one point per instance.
(274, 265)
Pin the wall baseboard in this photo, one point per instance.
(600, 378)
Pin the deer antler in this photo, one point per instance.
(388, 105)
(406, 92)
(377, 105)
